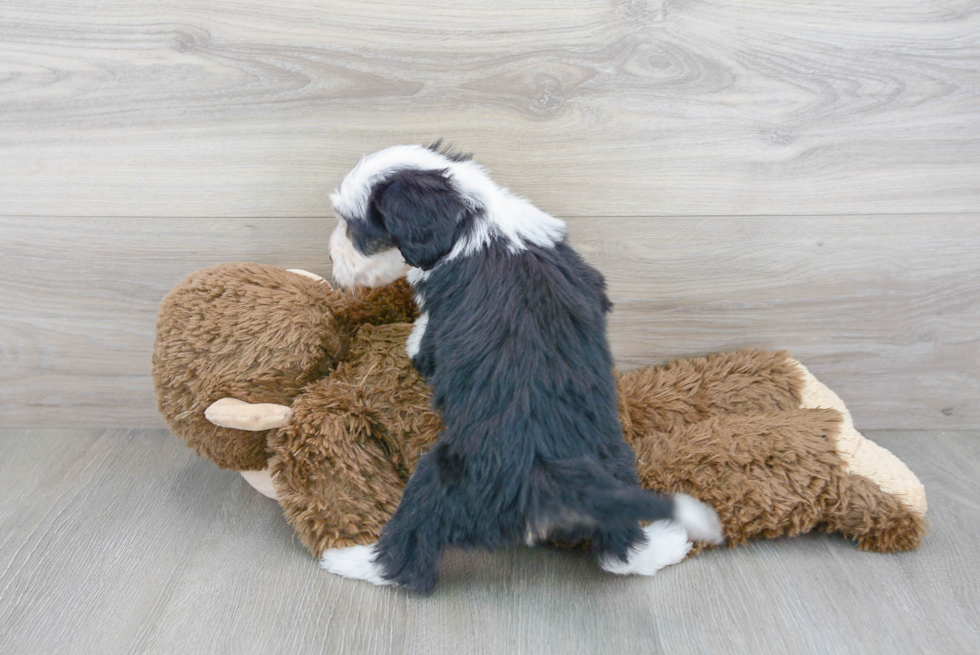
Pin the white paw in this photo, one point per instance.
(356, 562)
(666, 544)
(699, 519)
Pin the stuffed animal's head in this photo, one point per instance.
(259, 334)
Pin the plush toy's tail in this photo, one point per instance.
(577, 497)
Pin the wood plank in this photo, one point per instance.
(83, 297)
(185, 558)
(92, 548)
(625, 108)
(885, 310)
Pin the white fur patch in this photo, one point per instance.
(507, 216)
(666, 544)
(700, 520)
(416, 275)
(415, 338)
(503, 214)
(351, 198)
(351, 268)
(356, 562)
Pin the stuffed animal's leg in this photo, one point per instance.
(877, 520)
(879, 501)
(862, 456)
(777, 474)
(765, 475)
(669, 397)
(334, 501)
(410, 548)
(336, 481)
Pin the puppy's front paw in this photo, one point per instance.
(355, 562)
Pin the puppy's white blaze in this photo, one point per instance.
(415, 338)
(666, 544)
(351, 199)
(511, 218)
(351, 268)
(504, 214)
(699, 519)
(356, 562)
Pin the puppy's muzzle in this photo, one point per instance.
(354, 269)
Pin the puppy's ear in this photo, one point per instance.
(424, 215)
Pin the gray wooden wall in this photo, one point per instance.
(771, 173)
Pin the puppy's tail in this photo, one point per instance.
(578, 496)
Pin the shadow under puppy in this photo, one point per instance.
(511, 337)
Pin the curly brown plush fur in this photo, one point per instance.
(738, 430)
(256, 333)
(729, 429)
(341, 467)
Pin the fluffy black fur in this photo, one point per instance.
(516, 354)
(422, 214)
(449, 152)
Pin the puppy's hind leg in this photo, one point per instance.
(641, 551)
(409, 554)
(663, 542)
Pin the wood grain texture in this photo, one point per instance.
(885, 310)
(81, 299)
(624, 107)
(124, 542)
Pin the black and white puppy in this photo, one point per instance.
(512, 339)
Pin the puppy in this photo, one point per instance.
(511, 337)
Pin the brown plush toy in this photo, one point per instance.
(308, 391)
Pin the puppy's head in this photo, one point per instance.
(397, 209)
(412, 206)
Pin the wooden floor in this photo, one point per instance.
(774, 173)
(122, 541)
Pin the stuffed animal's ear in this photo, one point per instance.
(423, 213)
